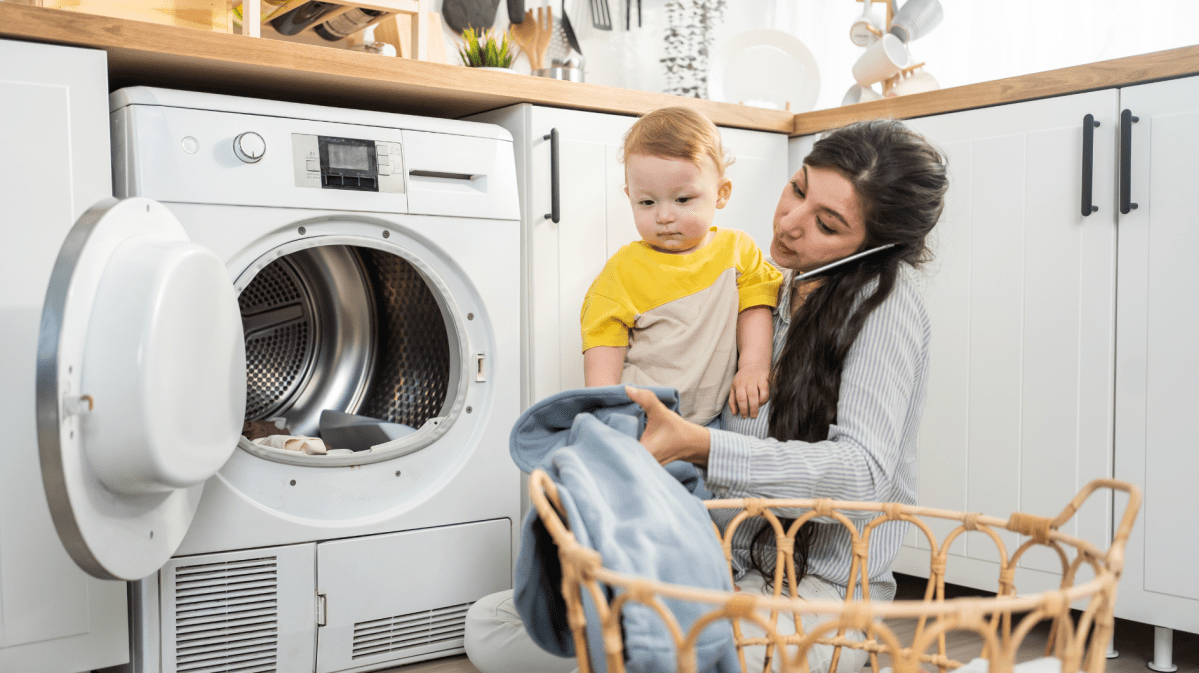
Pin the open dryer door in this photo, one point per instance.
(141, 385)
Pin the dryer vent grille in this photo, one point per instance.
(396, 635)
(226, 617)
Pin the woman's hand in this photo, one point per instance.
(667, 436)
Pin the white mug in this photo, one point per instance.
(866, 28)
(883, 59)
(917, 82)
(916, 19)
(859, 94)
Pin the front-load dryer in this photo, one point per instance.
(270, 262)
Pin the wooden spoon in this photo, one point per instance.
(525, 35)
(545, 33)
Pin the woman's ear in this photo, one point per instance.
(723, 192)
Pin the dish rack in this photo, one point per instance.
(1002, 622)
(417, 9)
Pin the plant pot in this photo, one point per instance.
(494, 69)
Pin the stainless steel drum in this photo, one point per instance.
(351, 329)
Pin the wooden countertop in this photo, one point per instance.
(168, 56)
(186, 58)
(1141, 69)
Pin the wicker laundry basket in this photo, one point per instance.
(1001, 623)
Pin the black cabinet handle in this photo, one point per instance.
(555, 213)
(1088, 163)
(1126, 122)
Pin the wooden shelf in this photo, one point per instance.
(166, 56)
(1161, 65)
(419, 38)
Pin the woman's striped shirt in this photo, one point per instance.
(870, 453)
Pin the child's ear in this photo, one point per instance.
(723, 192)
(626, 190)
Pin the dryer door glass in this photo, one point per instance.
(140, 385)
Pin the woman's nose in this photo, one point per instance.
(791, 224)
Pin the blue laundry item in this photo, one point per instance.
(545, 427)
(639, 516)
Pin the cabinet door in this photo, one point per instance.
(57, 164)
(565, 257)
(759, 173)
(1021, 295)
(1157, 365)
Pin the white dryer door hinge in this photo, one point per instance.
(481, 371)
(321, 609)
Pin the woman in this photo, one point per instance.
(849, 367)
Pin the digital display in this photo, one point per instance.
(350, 157)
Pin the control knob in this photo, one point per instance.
(249, 147)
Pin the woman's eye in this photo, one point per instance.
(824, 227)
(798, 191)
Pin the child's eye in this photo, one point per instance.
(684, 199)
(645, 202)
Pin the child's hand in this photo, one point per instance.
(751, 389)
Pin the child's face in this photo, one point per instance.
(674, 200)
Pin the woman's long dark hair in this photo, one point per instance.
(900, 181)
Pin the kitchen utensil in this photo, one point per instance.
(462, 14)
(559, 72)
(559, 47)
(867, 27)
(545, 33)
(601, 18)
(766, 68)
(883, 59)
(916, 19)
(628, 11)
(525, 35)
(570, 31)
(516, 11)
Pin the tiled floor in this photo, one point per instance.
(1134, 642)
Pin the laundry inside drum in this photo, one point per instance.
(344, 330)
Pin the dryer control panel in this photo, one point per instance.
(356, 164)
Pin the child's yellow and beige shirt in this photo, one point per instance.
(678, 315)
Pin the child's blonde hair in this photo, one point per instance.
(677, 133)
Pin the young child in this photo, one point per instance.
(689, 305)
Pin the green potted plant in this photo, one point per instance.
(487, 49)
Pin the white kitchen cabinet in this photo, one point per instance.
(1157, 364)
(562, 258)
(1059, 356)
(1021, 296)
(54, 617)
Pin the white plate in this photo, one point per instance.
(765, 68)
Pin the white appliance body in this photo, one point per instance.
(374, 260)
